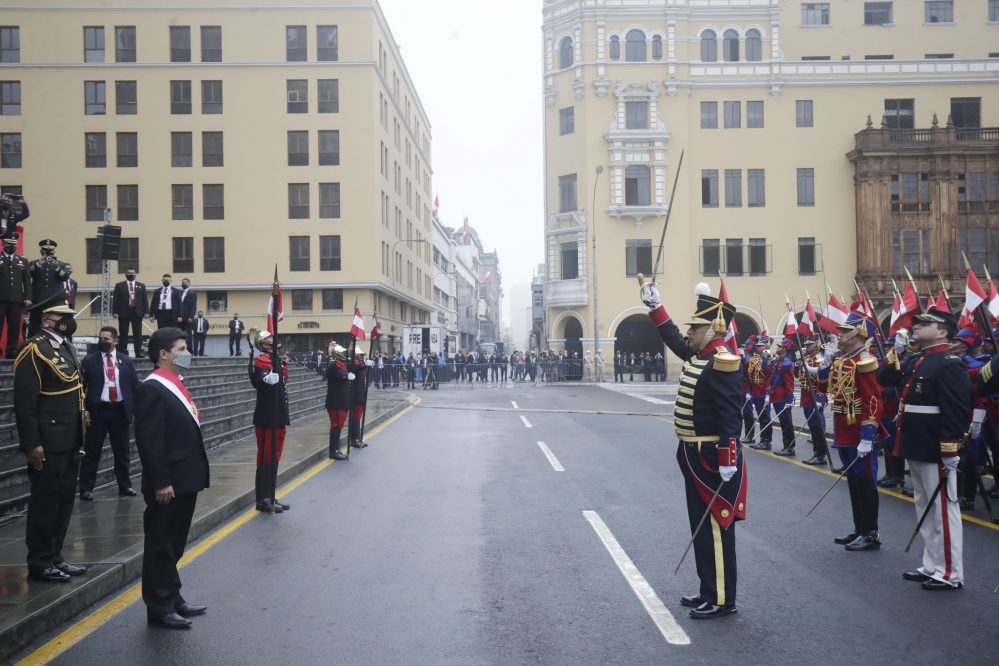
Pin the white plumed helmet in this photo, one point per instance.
(702, 289)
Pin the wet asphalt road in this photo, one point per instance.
(452, 540)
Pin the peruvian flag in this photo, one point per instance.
(357, 326)
(866, 308)
(732, 334)
(488, 277)
(791, 327)
(274, 305)
(809, 321)
(908, 308)
(834, 314)
(993, 301)
(374, 326)
(941, 303)
(897, 310)
(974, 296)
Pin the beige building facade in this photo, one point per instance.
(764, 99)
(226, 137)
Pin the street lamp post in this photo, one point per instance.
(593, 258)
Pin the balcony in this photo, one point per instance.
(566, 293)
(935, 137)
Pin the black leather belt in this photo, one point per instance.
(111, 405)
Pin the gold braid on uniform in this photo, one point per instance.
(36, 354)
(755, 371)
(842, 387)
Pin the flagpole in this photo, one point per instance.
(815, 403)
(275, 367)
(367, 378)
(943, 288)
(818, 329)
(980, 310)
(353, 351)
(866, 303)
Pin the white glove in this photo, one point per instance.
(975, 431)
(350, 376)
(369, 363)
(727, 472)
(650, 296)
(811, 370)
(748, 396)
(864, 448)
(950, 462)
(901, 342)
(829, 351)
(271, 378)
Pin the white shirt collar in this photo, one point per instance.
(58, 338)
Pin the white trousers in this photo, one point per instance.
(941, 531)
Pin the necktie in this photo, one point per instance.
(112, 390)
(163, 298)
(131, 294)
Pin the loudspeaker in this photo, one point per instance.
(110, 242)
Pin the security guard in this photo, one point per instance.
(48, 405)
(271, 416)
(48, 277)
(15, 291)
(708, 421)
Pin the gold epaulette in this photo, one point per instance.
(986, 373)
(867, 363)
(27, 346)
(726, 361)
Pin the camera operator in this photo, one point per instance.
(9, 217)
(48, 277)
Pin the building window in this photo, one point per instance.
(730, 46)
(96, 152)
(803, 113)
(733, 188)
(806, 256)
(709, 115)
(298, 96)
(93, 44)
(567, 193)
(754, 45)
(128, 254)
(993, 11)
(966, 111)
(211, 43)
(329, 200)
(565, 53)
(182, 202)
(910, 249)
(181, 149)
(637, 185)
(128, 149)
(569, 253)
(10, 44)
(329, 147)
(733, 115)
(638, 257)
(711, 256)
(301, 300)
(329, 253)
(213, 202)
(97, 201)
(211, 97)
(10, 150)
(299, 253)
(976, 192)
(900, 113)
(733, 256)
(126, 98)
(212, 149)
(938, 11)
(329, 96)
(180, 43)
(183, 255)
(214, 254)
(806, 187)
(94, 98)
(877, 13)
(757, 190)
(815, 13)
(754, 115)
(981, 246)
(327, 41)
(297, 43)
(615, 48)
(634, 46)
(757, 256)
(566, 121)
(180, 97)
(128, 203)
(709, 188)
(332, 299)
(910, 193)
(298, 201)
(298, 148)
(218, 301)
(636, 115)
(657, 47)
(709, 46)
(124, 43)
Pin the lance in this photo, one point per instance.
(877, 326)
(697, 530)
(276, 366)
(350, 366)
(943, 287)
(815, 402)
(367, 382)
(915, 289)
(838, 478)
(981, 310)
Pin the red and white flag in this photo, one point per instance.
(791, 327)
(993, 301)
(732, 334)
(274, 306)
(910, 301)
(374, 326)
(974, 296)
(437, 204)
(941, 303)
(488, 277)
(897, 310)
(834, 314)
(809, 321)
(357, 326)
(464, 233)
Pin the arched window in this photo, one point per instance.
(565, 53)
(615, 48)
(637, 186)
(657, 47)
(634, 46)
(709, 46)
(730, 49)
(754, 45)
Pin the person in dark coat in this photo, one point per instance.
(236, 335)
(15, 291)
(164, 306)
(270, 417)
(13, 211)
(361, 369)
(48, 276)
(338, 396)
(128, 304)
(185, 316)
(200, 327)
(174, 471)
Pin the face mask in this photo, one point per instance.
(66, 327)
(183, 359)
(166, 283)
(104, 346)
(130, 278)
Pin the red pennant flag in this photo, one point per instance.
(974, 296)
(897, 310)
(274, 305)
(993, 301)
(791, 327)
(732, 334)
(357, 326)
(809, 320)
(374, 325)
(834, 315)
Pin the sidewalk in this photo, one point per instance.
(106, 534)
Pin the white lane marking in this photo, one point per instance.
(649, 398)
(556, 465)
(668, 627)
(527, 424)
(514, 403)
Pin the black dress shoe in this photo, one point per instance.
(762, 446)
(708, 611)
(267, 506)
(693, 601)
(86, 496)
(916, 576)
(168, 621)
(70, 569)
(966, 504)
(816, 461)
(190, 610)
(888, 482)
(356, 445)
(865, 542)
(786, 452)
(843, 540)
(748, 440)
(935, 585)
(127, 492)
(49, 575)
(336, 455)
(837, 470)
(283, 506)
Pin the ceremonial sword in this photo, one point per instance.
(697, 530)
(662, 238)
(841, 475)
(926, 511)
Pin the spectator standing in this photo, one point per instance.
(13, 211)
(128, 304)
(200, 327)
(15, 291)
(164, 306)
(188, 306)
(236, 335)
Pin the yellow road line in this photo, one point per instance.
(133, 593)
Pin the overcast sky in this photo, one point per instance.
(477, 69)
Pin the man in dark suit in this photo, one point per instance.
(164, 306)
(47, 400)
(188, 306)
(70, 285)
(128, 304)
(235, 335)
(15, 291)
(109, 384)
(200, 328)
(174, 471)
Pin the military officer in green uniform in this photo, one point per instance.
(48, 406)
(15, 291)
(48, 277)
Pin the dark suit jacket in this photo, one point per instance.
(236, 327)
(119, 301)
(154, 302)
(169, 442)
(189, 305)
(51, 421)
(95, 374)
(194, 325)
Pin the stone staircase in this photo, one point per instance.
(221, 389)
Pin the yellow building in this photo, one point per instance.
(226, 137)
(763, 98)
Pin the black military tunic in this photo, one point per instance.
(15, 288)
(988, 379)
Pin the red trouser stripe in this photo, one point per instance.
(266, 453)
(358, 412)
(945, 523)
(338, 417)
